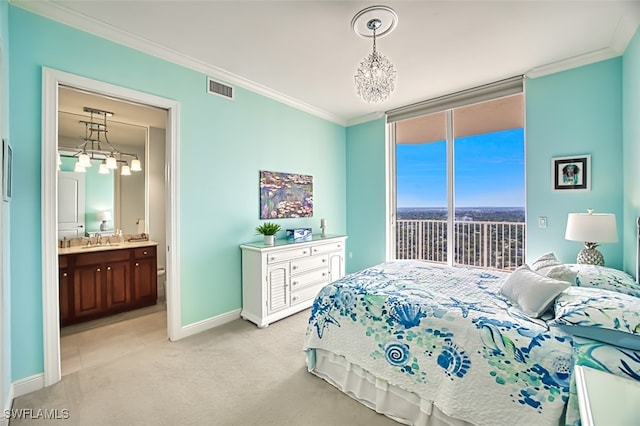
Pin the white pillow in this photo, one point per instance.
(532, 292)
(559, 272)
(545, 261)
(549, 266)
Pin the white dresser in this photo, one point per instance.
(283, 279)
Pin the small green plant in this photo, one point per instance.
(268, 228)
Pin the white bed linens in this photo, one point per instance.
(447, 335)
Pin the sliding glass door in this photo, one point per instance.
(459, 185)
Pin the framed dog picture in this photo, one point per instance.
(571, 173)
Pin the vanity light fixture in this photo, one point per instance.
(96, 146)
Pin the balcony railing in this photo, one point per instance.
(490, 245)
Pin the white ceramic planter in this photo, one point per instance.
(269, 240)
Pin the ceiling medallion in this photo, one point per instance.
(375, 77)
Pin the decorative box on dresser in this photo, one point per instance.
(283, 279)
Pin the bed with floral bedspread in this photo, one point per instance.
(449, 335)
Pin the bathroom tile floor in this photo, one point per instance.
(95, 344)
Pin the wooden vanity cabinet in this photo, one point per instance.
(98, 284)
(145, 275)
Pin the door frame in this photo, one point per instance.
(51, 80)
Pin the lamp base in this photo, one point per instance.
(590, 256)
(103, 225)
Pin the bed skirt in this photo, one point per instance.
(398, 404)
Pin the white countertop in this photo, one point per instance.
(104, 247)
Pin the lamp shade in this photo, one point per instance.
(592, 227)
(104, 215)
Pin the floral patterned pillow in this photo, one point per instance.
(598, 314)
(605, 278)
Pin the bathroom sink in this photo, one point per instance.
(102, 246)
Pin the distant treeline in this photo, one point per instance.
(478, 214)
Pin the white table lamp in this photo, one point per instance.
(592, 229)
(104, 216)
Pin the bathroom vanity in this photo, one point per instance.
(99, 281)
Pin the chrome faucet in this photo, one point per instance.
(98, 239)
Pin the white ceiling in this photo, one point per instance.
(305, 52)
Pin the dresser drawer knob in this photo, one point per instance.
(97, 269)
(294, 283)
(108, 268)
(324, 260)
(324, 274)
(294, 267)
(137, 264)
(272, 258)
(64, 275)
(304, 252)
(144, 253)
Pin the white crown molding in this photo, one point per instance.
(622, 36)
(79, 21)
(574, 62)
(364, 118)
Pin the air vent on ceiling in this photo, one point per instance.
(219, 89)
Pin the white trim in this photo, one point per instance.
(51, 80)
(391, 193)
(364, 118)
(209, 323)
(74, 19)
(7, 404)
(570, 63)
(27, 385)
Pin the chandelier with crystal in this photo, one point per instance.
(375, 77)
(96, 146)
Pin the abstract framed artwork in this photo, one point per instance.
(285, 195)
(7, 170)
(571, 173)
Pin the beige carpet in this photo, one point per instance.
(235, 374)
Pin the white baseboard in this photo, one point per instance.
(27, 385)
(209, 323)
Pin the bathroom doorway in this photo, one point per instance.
(54, 82)
(98, 201)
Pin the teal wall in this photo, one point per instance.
(631, 150)
(99, 193)
(5, 309)
(569, 113)
(224, 145)
(366, 195)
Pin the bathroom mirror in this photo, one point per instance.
(132, 129)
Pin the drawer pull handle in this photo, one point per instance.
(97, 269)
(144, 253)
(324, 274)
(324, 260)
(137, 264)
(294, 283)
(64, 275)
(272, 258)
(304, 252)
(339, 246)
(108, 268)
(294, 267)
(315, 250)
